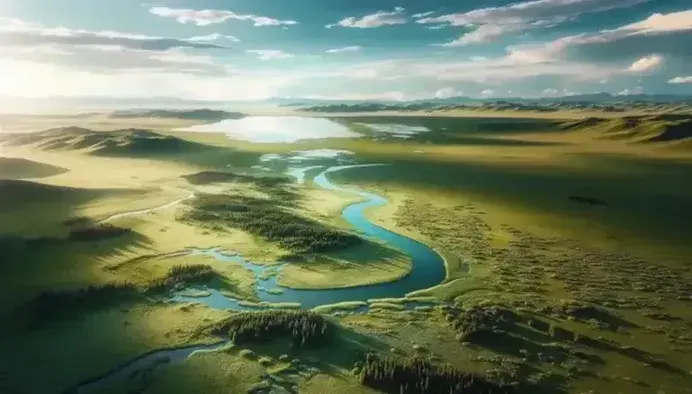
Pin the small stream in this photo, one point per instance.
(138, 368)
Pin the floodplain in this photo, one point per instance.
(549, 255)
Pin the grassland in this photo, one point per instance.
(507, 213)
(560, 294)
(365, 264)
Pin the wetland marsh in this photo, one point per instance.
(462, 252)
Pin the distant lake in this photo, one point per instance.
(269, 129)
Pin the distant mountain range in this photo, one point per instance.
(12, 104)
(591, 98)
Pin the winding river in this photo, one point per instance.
(427, 270)
(427, 267)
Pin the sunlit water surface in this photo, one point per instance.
(268, 129)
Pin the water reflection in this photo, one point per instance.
(269, 129)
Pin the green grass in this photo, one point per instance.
(211, 177)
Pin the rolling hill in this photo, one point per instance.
(660, 129)
(18, 168)
(540, 106)
(29, 208)
(124, 142)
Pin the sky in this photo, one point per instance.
(344, 49)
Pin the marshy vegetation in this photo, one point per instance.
(277, 187)
(305, 328)
(477, 320)
(417, 375)
(180, 275)
(558, 307)
(264, 218)
(208, 177)
(49, 305)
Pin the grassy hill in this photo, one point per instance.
(661, 129)
(15, 193)
(33, 208)
(18, 168)
(124, 142)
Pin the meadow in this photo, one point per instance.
(566, 244)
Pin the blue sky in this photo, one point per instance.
(369, 49)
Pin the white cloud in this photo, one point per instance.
(484, 33)
(32, 79)
(495, 70)
(378, 19)
(270, 54)
(487, 93)
(668, 34)
(550, 92)
(646, 63)
(629, 92)
(208, 17)
(422, 14)
(657, 23)
(448, 92)
(18, 33)
(354, 48)
(213, 37)
(681, 80)
(493, 22)
(113, 59)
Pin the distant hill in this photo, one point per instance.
(204, 114)
(500, 105)
(585, 99)
(51, 104)
(125, 142)
(18, 168)
(660, 129)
